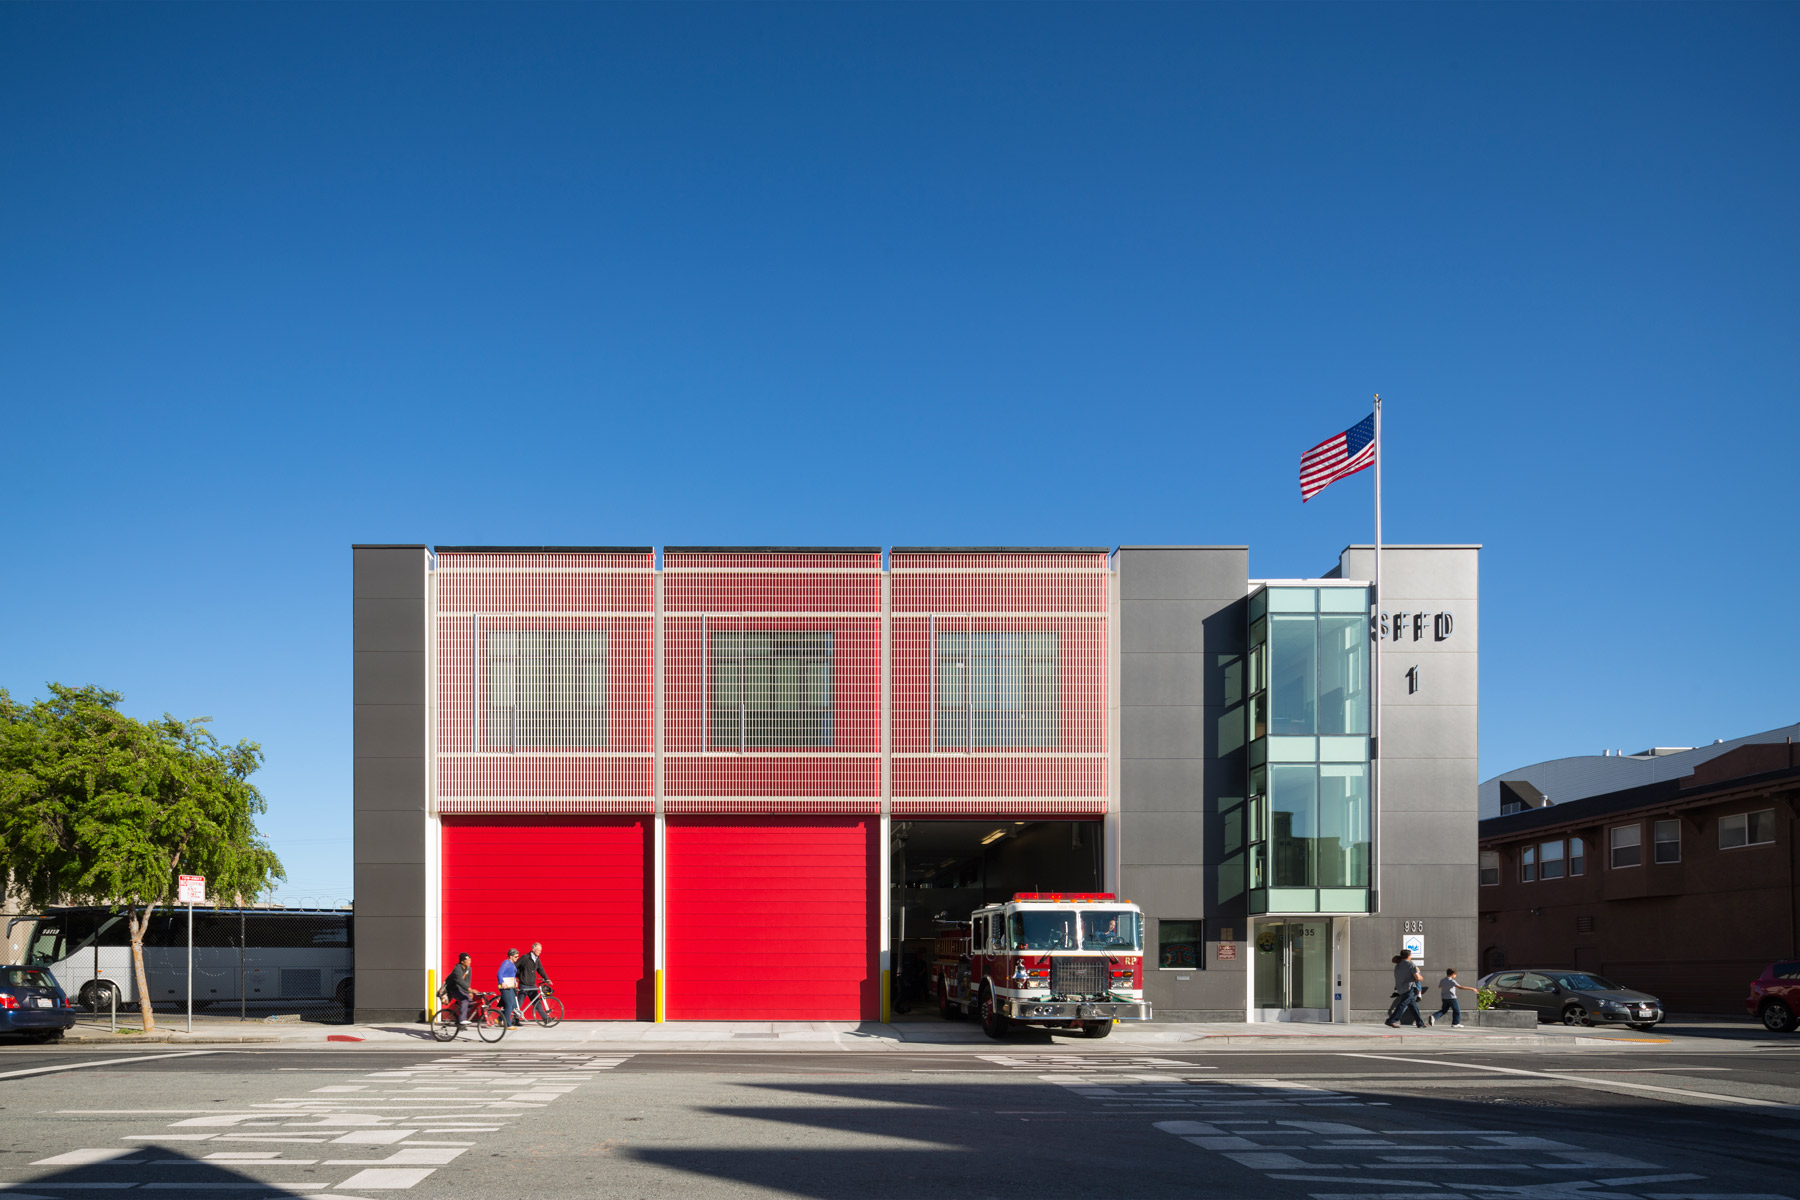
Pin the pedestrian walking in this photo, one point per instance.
(1447, 989)
(1407, 982)
(532, 975)
(458, 988)
(508, 977)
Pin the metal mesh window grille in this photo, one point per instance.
(543, 684)
(996, 689)
(999, 684)
(546, 688)
(771, 680)
(770, 689)
(545, 698)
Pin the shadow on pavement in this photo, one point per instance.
(162, 1170)
(1021, 1136)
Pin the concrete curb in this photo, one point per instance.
(763, 1037)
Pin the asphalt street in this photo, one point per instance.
(1012, 1121)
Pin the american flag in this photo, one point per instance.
(1339, 455)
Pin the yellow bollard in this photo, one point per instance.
(887, 997)
(430, 994)
(657, 1015)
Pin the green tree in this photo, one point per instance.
(99, 808)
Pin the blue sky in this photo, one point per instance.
(274, 280)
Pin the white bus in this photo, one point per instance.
(256, 959)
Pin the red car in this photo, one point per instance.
(1775, 998)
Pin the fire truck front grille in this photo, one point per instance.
(1078, 976)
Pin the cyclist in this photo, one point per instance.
(508, 977)
(532, 976)
(457, 987)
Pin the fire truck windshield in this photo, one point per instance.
(1107, 928)
(1043, 931)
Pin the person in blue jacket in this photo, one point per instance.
(508, 977)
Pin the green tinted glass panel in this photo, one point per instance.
(1343, 844)
(1292, 665)
(1292, 600)
(1293, 823)
(1343, 675)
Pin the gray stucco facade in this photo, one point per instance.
(388, 597)
(1183, 771)
(1181, 760)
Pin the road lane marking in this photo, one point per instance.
(378, 1112)
(118, 1156)
(1773, 1106)
(109, 1062)
(382, 1179)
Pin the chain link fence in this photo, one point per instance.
(246, 964)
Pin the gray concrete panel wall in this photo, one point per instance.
(1181, 768)
(389, 691)
(1429, 777)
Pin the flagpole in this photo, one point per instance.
(1375, 677)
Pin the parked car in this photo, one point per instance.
(1573, 997)
(1775, 997)
(33, 1003)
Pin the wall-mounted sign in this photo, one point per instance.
(1416, 943)
(1415, 626)
(1227, 951)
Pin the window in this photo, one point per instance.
(1490, 868)
(1318, 668)
(25, 977)
(997, 690)
(1528, 864)
(1108, 929)
(1577, 856)
(1041, 930)
(771, 690)
(1747, 829)
(1627, 845)
(1550, 860)
(1787, 970)
(1180, 945)
(1666, 841)
(546, 688)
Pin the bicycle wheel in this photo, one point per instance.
(549, 1011)
(444, 1027)
(490, 1025)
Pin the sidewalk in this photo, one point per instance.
(907, 1035)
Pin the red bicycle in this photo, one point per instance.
(484, 1015)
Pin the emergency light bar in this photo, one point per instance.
(1074, 897)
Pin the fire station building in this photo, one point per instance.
(755, 783)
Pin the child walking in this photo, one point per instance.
(1447, 989)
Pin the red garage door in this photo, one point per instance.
(772, 918)
(578, 886)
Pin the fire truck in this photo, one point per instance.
(1062, 960)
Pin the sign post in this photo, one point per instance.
(191, 890)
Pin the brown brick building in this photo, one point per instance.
(1684, 887)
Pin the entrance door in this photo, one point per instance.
(1293, 971)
